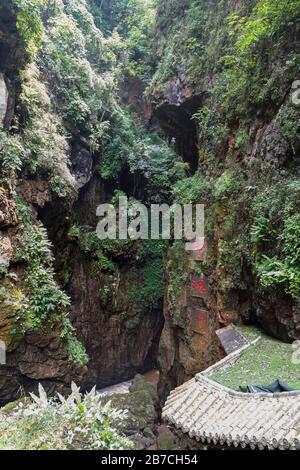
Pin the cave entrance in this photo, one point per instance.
(178, 126)
(132, 184)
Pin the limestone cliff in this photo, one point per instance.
(222, 90)
(73, 308)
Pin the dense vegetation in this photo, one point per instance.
(69, 87)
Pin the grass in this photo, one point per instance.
(261, 364)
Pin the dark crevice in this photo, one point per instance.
(12, 51)
(179, 127)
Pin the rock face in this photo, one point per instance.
(188, 343)
(230, 281)
(120, 340)
(38, 358)
(141, 405)
(142, 424)
(82, 162)
(117, 342)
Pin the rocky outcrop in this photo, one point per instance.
(141, 405)
(214, 145)
(8, 242)
(3, 99)
(118, 340)
(82, 162)
(38, 358)
(8, 214)
(188, 342)
(35, 191)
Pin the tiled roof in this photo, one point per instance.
(214, 414)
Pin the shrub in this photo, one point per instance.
(148, 280)
(45, 303)
(43, 137)
(192, 190)
(228, 184)
(29, 23)
(11, 153)
(79, 422)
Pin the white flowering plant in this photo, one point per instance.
(79, 422)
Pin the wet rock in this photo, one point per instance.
(166, 439)
(82, 162)
(35, 191)
(37, 358)
(121, 351)
(141, 405)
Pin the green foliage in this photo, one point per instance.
(29, 23)
(148, 280)
(45, 302)
(229, 184)
(213, 131)
(231, 257)
(79, 422)
(192, 190)
(74, 232)
(139, 31)
(92, 245)
(57, 186)
(268, 19)
(43, 136)
(289, 120)
(144, 153)
(275, 235)
(75, 48)
(134, 21)
(169, 11)
(261, 231)
(11, 153)
(76, 351)
(257, 37)
(285, 271)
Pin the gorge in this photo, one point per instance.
(159, 101)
